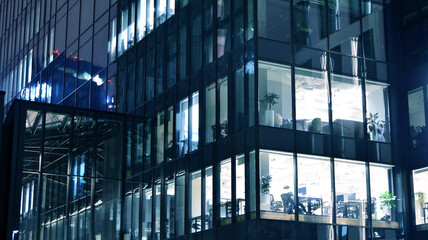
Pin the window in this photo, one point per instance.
(123, 35)
(195, 221)
(416, 115)
(225, 179)
(223, 108)
(347, 106)
(252, 182)
(179, 204)
(377, 111)
(160, 11)
(420, 189)
(157, 211)
(239, 100)
(169, 207)
(240, 185)
(276, 185)
(112, 40)
(312, 100)
(210, 116)
(170, 132)
(315, 198)
(141, 19)
(160, 136)
(150, 15)
(274, 18)
(146, 230)
(147, 143)
(275, 95)
(351, 192)
(182, 128)
(381, 190)
(208, 197)
(310, 26)
(194, 117)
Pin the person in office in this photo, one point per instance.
(289, 203)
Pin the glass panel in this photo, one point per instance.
(210, 115)
(373, 30)
(170, 133)
(274, 19)
(157, 211)
(135, 212)
(169, 207)
(146, 230)
(160, 12)
(112, 41)
(195, 221)
(383, 202)
(239, 100)
(225, 207)
(123, 35)
(223, 38)
(171, 8)
(275, 95)
(179, 205)
(223, 108)
(344, 26)
(194, 116)
(420, 189)
(131, 25)
(32, 141)
(277, 185)
(240, 185)
(107, 209)
(347, 106)
(249, 71)
(315, 192)
(141, 19)
(57, 143)
(147, 139)
(351, 192)
(252, 180)
(109, 153)
(208, 197)
(150, 15)
(416, 115)
(312, 100)
(160, 136)
(377, 111)
(182, 127)
(310, 23)
(28, 209)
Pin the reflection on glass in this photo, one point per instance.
(351, 192)
(179, 205)
(146, 226)
(225, 207)
(160, 11)
(274, 18)
(417, 124)
(420, 190)
(194, 117)
(160, 136)
(150, 15)
(141, 19)
(277, 184)
(377, 111)
(123, 34)
(309, 23)
(157, 207)
(373, 30)
(311, 100)
(210, 115)
(131, 25)
(240, 184)
(147, 139)
(383, 201)
(195, 220)
(252, 180)
(275, 95)
(107, 215)
(315, 198)
(208, 197)
(112, 40)
(182, 126)
(347, 106)
(223, 108)
(169, 207)
(170, 133)
(239, 100)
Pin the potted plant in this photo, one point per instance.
(421, 202)
(376, 127)
(387, 202)
(265, 192)
(270, 100)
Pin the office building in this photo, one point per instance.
(202, 119)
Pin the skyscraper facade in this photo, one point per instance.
(202, 119)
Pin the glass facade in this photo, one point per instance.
(212, 120)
